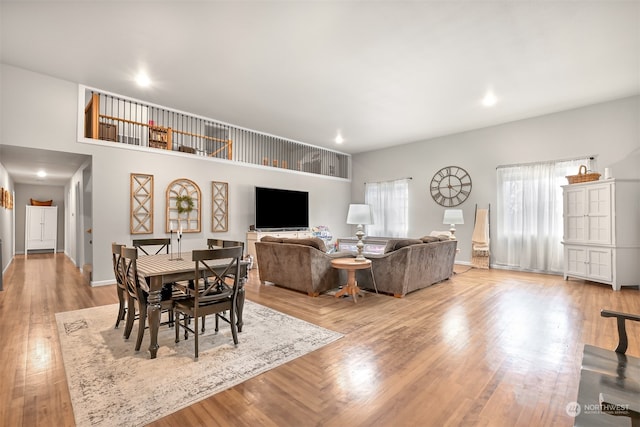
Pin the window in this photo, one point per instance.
(389, 203)
(529, 214)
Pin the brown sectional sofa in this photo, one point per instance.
(405, 266)
(408, 265)
(299, 264)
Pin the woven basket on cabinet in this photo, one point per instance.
(583, 176)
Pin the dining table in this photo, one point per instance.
(161, 269)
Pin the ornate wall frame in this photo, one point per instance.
(219, 206)
(141, 221)
(183, 206)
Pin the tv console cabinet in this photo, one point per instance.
(255, 236)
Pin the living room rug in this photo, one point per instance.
(112, 384)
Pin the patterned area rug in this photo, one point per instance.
(111, 384)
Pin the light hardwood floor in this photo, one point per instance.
(485, 348)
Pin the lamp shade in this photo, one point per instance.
(453, 216)
(359, 214)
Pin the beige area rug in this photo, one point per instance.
(112, 385)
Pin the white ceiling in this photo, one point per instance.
(23, 164)
(379, 73)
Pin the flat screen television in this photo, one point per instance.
(281, 209)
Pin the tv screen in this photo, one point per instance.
(281, 209)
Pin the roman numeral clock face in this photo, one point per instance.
(450, 186)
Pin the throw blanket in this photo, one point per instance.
(480, 237)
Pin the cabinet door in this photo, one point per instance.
(34, 224)
(598, 211)
(50, 224)
(574, 215)
(575, 261)
(599, 264)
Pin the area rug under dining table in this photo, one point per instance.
(111, 384)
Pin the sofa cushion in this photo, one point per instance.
(271, 239)
(314, 242)
(395, 244)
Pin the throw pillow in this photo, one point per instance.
(395, 244)
(429, 239)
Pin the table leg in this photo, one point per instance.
(153, 313)
(351, 288)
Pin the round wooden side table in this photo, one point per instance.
(351, 265)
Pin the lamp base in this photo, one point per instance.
(360, 244)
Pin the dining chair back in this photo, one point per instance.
(152, 246)
(212, 296)
(121, 286)
(137, 296)
(219, 243)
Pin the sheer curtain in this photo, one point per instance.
(529, 214)
(389, 203)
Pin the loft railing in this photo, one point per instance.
(122, 120)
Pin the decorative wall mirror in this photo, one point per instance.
(141, 207)
(219, 206)
(183, 206)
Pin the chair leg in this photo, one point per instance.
(121, 308)
(234, 326)
(177, 326)
(203, 317)
(217, 316)
(131, 316)
(195, 328)
(141, 324)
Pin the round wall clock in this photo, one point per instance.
(450, 186)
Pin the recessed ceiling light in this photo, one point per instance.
(339, 139)
(143, 80)
(489, 100)
(42, 174)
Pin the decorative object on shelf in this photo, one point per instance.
(585, 176)
(1, 197)
(453, 217)
(219, 206)
(183, 206)
(322, 232)
(141, 207)
(360, 215)
(450, 186)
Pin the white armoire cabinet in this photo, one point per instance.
(602, 231)
(41, 228)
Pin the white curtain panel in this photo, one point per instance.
(389, 203)
(529, 214)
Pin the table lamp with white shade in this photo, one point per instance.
(360, 215)
(453, 217)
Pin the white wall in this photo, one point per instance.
(51, 104)
(6, 221)
(609, 130)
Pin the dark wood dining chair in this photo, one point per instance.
(137, 296)
(220, 243)
(121, 286)
(152, 246)
(213, 296)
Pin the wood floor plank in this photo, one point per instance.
(485, 348)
